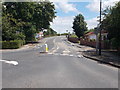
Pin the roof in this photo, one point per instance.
(90, 33)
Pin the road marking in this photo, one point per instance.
(64, 54)
(71, 55)
(53, 49)
(10, 62)
(54, 40)
(50, 53)
(66, 51)
(79, 56)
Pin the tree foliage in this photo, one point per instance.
(25, 19)
(79, 25)
(50, 32)
(111, 23)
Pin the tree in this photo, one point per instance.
(49, 32)
(10, 28)
(44, 14)
(27, 18)
(111, 23)
(79, 25)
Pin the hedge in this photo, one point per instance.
(12, 44)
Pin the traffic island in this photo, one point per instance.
(43, 52)
(105, 58)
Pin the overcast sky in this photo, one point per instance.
(68, 9)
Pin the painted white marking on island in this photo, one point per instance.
(10, 62)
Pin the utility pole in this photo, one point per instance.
(100, 30)
(67, 33)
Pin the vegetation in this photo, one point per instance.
(79, 25)
(111, 23)
(64, 34)
(73, 35)
(22, 20)
(12, 44)
(50, 32)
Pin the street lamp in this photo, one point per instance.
(100, 29)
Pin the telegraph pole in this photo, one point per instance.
(100, 29)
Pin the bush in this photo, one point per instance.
(74, 36)
(12, 44)
(92, 40)
(115, 43)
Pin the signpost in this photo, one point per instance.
(100, 30)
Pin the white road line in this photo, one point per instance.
(10, 62)
(54, 40)
(79, 56)
(53, 49)
(50, 53)
(66, 51)
(71, 55)
(65, 54)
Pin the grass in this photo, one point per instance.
(73, 35)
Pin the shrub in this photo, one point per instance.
(92, 40)
(74, 36)
(115, 43)
(12, 44)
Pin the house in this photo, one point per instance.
(91, 39)
(93, 35)
(39, 35)
(90, 36)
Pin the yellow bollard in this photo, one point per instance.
(46, 47)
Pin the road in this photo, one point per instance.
(62, 67)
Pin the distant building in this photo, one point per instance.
(39, 35)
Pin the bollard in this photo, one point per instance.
(46, 47)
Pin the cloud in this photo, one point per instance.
(92, 23)
(56, 6)
(66, 7)
(61, 24)
(94, 6)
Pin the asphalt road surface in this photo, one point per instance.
(62, 67)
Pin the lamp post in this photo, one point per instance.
(100, 29)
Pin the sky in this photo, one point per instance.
(68, 9)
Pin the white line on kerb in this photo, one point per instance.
(10, 62)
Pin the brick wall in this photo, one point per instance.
(93, 43)
(73, 39)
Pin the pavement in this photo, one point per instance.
(110, 57)
(62, 67)
(24, 47)
(106, 58)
